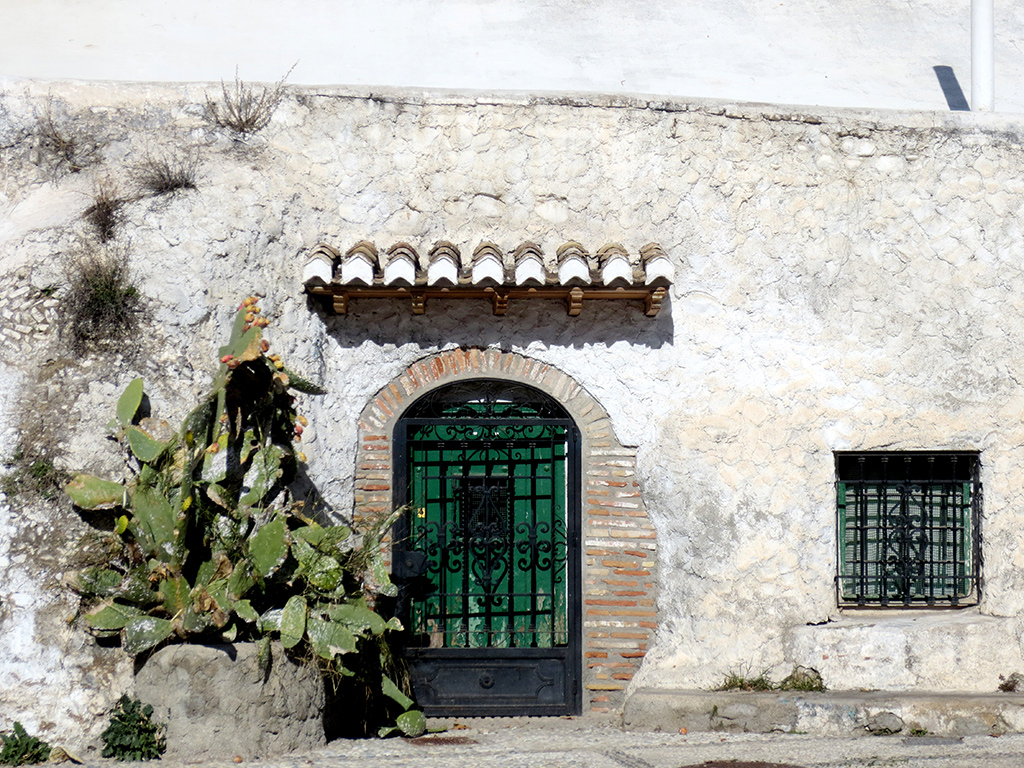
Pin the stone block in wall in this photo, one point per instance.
(217, 703)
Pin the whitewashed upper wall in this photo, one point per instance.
(843, 281)
(871, 53)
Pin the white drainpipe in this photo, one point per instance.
(983, 59)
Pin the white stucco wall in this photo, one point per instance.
(873, 53)
(844, 281)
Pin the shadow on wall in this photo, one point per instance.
(470, 322)
(951, 89)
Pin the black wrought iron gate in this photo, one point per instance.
(488, 555)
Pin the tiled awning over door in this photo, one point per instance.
(572, 274)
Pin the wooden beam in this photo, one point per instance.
(339, 296)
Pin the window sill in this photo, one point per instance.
(917, 617)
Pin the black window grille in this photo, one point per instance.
(908, 529)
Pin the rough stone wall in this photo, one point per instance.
(218, 703)
(844, 281)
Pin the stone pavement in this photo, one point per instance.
(589, 743)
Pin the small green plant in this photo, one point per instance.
(104, 215)
(101, 304)
(735, 681)
(132, 734)
(32, 472)
(246, 109)
(801, 679)
(918, 731)
(165, 175)
(20, 748)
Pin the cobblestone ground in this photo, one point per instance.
(571, 743)
(26, 316)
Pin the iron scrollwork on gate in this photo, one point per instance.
(484, 533)
(489, 516)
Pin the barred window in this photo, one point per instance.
(908, 528)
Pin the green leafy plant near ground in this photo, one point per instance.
(734, 681)
(801, 679)
(19, 748)
(32, 471)
(1011, 683)
(211, 548)
(132, 734)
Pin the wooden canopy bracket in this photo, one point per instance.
(574, 302)
(340, 303)
(499, 300)
(419, 303)
(653, 301)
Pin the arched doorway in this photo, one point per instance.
(488, 554)
(617, 572)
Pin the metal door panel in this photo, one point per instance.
(461, 684)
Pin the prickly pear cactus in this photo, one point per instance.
(210, 547)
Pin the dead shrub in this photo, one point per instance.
(246, 109)
(70, 149)
(1012, 684)
(102, 303)
(165, 174)
(105, 212)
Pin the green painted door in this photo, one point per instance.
(489, 512)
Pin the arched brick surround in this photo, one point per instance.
(619, 545)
